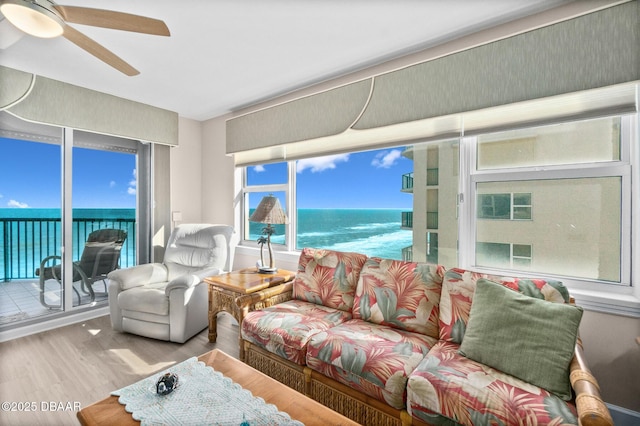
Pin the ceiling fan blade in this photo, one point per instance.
(98, 51)
(113, 20)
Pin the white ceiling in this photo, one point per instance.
(227, 54)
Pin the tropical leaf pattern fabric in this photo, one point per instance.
(374, 359)
(284, 329)
(328, 278)
(459, 286)
(403, 295)
(471, 393)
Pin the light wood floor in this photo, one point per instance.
(82, 363)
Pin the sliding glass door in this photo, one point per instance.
(30, 225)
(104, 217)
(65, 188)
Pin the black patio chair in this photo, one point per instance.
(100, 256)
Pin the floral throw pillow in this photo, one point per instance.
(399, 294)
(328, 277)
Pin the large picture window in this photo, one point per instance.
(552, 200)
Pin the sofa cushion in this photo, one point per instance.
(448, 384)
(528, 338)
(328, 277)
(374, 359)
(284, 329)
(459, 285)
(403, 295)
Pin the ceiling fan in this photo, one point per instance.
(46, 19)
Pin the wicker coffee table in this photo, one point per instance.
(110, 412)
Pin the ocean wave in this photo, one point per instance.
(369, 226)
(388, 245)
(363, 229)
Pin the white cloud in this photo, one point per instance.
(321, 163)
(14, 203)
(133, 183)
(112, 184)
(259, 169)
(386, 159)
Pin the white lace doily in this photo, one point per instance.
(203, 397)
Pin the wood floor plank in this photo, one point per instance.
(76, 365)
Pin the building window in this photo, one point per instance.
(504, 206)
(503, 255)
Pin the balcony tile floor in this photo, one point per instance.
(20, 299)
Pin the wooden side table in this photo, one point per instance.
(225, 288)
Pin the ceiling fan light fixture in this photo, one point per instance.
(33, 18)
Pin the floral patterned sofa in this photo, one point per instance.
(388, 342)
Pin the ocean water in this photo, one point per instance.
(33, 234)
(374, 232)
(77, 213)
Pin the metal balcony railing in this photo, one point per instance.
(407, 254)
(407, 181)
(26, 241)
(407, 220)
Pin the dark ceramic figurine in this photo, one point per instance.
(167, 383)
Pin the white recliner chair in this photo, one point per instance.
(169, 300)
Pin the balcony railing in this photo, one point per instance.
(407, 182)
(26, 241)
(407, 220)
(407, 254)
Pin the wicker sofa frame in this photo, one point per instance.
(363, 409)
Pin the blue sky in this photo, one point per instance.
(30, 177)
(371, 179)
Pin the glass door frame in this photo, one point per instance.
(66, 139)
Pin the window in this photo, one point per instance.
(551, 200)
(503, 255)
(261, 181)
(504, 206)
(578, 173)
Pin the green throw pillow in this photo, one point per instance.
(528, 338)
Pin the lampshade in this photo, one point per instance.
(33, 18)
(269, 211)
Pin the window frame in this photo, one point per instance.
(288, 189)
(618, 299)
(617, 168)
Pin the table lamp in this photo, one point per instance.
(270, 212)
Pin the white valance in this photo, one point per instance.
(43, 100)
(581, 67)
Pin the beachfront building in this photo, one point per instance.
(568, 226)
